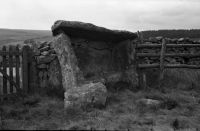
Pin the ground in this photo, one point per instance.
(181, 111)
(16, 36)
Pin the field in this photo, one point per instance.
(13, 36)
(180, 109)
(179, 94)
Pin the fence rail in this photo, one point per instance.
(161, 57)
(169, 55)
(167, 45)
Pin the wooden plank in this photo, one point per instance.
(182, 66)
(8, 78)
(188, 55)
(25, 68)
(168, 45)
(144, 66)
(17, 66)
(11, 68)
(162, 56)
(4, 70)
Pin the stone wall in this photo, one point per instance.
(171, 60)
(106, 62)
(44, 67)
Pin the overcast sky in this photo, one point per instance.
(129, 15)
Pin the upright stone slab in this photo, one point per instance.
(76, 96)
(67, 59)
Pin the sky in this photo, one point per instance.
(132, 15)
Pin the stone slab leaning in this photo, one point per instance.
(76, 95)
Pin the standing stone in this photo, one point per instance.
(54, 73)
(68, 62)
(76, 96)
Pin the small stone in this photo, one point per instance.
(181, 39)
(159, 38)
(148, 102)
(36, 53)
(52, 51)
(153, 39)
(44, 53)
(43, 44)
(46, 48)
(42, 66)
(45, 59)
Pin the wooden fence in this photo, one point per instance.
(160, 57)
(14, 71)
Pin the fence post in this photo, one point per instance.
(4, 70)
(141, 76)
(25, 68)
(10, 61)
(162, 59)
(17, 66)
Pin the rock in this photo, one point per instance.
(55, 75)
(149, 102)
(159, 38)
(36, 53)
(45, 48)
(153, 39)
(173, 40)
(45, 53)
(147, 43)
(181, 39)
(42, 66)
(45, 59)
(90, 31)
(43, 80)
(86, 96)
(34, 45)
(67, 60)
(52, 51)
(43, 44)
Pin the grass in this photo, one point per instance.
(122, 112)
(16, 36)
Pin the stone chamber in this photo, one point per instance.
(84, 61)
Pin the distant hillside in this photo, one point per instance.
(17, 35)
(193, 33)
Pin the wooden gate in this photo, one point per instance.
(160, 57)
(13, 71)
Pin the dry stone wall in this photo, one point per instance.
(45, 66)
(171, 60)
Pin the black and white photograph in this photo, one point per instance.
(109, 65)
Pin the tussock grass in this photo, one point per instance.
(183, 78)
(179, 103)
(122, 112)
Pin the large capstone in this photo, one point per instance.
(89, 31)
